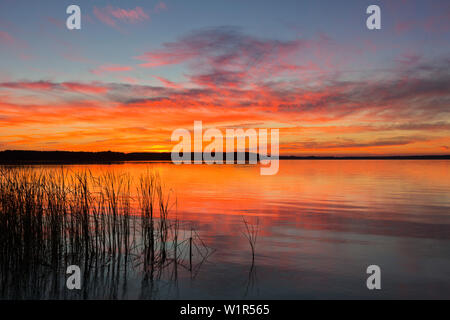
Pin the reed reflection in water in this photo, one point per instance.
(52, 219)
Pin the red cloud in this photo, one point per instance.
(132, 15)
(110, 15)
(168, 83)
(84, 88)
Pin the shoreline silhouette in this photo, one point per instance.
(70, 157)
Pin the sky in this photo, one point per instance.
(138, 70)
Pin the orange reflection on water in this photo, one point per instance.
(320, 222)
(304, 192)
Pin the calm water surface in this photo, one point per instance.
(321, 223)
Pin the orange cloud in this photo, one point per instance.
(168, 83)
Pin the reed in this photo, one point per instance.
(251, 233)
(50, 219)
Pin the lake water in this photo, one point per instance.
(321, 224)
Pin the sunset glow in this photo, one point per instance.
(133, 74)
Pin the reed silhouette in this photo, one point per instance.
(251, 234)
(52, 219)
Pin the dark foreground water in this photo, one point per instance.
(321, 224)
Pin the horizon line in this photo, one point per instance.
(163, 155)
